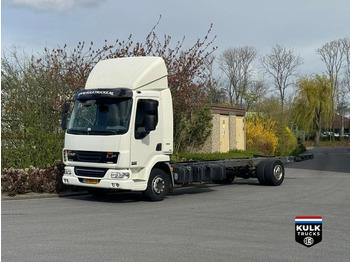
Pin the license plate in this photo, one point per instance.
(90, 181)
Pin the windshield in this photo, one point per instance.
(104, 116)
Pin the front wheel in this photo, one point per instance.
(158, 185)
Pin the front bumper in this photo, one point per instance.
(106, 182)
(102, 183)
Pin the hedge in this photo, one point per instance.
(32, 179)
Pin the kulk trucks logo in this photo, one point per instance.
(308, 230)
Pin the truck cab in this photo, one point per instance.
(120, 131)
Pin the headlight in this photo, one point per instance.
(67, 171)
(120, 175)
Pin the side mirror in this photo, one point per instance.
(64, 121)
(150, 123)
(66, 107)
(65, 110)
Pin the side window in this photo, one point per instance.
(146, 117)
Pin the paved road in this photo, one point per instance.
(240, 222)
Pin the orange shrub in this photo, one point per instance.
(261, 135)
(289, 140)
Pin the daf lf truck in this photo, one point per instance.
(119, 136)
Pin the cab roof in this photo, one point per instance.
(135, 73)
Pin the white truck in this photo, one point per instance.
(120, 136)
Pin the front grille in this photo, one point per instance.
(89, 156)
(90, 172)
(93, 156)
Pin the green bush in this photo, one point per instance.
(298, 150)
(191, 131)
(287, 142)
(30, 116)
(31, 149)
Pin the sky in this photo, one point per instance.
(301, 25)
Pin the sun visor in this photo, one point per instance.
(89, 94)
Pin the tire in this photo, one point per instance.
(158, 185)
(274, 172)
(260, 172)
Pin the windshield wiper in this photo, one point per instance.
(76, 131)
(102, 132)
(91, 132)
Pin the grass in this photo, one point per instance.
(335, 143)
(212, 156)
(345, 142)
(179, 157)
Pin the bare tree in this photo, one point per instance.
(345, 107)
(281, 65)
(255, 93)
(346, 52)
(236, 65)
(332, 54)
(215, 93)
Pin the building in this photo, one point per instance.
(228, 129)
(337, 124)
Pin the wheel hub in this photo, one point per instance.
(278, 172)
(158, 185)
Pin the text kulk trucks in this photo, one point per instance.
(120, 136)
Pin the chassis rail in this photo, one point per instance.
(225, 170)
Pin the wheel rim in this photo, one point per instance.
(278, 172)
(158, 185)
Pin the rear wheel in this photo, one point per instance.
(158, 185)
(274, 172)
(260, 172)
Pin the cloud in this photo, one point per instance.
(53, 5)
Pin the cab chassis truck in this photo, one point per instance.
(119, 136)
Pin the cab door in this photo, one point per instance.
(146, 134)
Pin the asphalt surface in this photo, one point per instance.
(239, 222)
